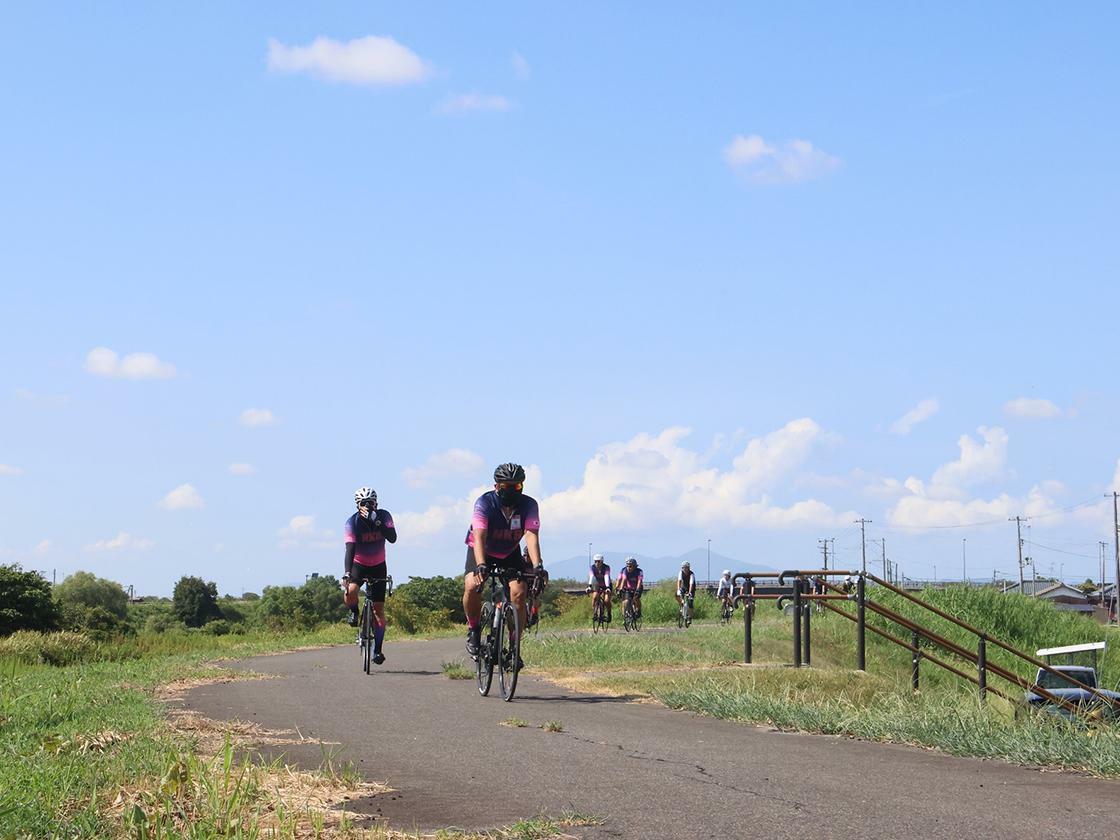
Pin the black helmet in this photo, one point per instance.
(509, 472)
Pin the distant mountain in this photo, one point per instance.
(655, 568)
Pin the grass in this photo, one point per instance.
(552, 726)
(700, 670)
(515, 722)
(456, 670)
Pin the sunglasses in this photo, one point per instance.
(506, 485)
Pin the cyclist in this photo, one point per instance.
(599, 585)
(629, 584)
(723, 590)
(367, 531)
(686, 585)
(501, 518)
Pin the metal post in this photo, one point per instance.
(797, 623)
(748, 608)
(982, 665)
(806, 647)
(915, 660)
(861, 626)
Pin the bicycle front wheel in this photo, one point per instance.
(367, 637)
(509, 652)
(484, 662)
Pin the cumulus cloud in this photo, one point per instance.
(453, 462)
(302, 532)
(241, 469)
(182, 497)
(788, 162)
(46, 399)
(1028, 408)
(42, 547)
(254, 417)
(101, 361)
(123, 541)
(468, 102)
(521, 68)
(8, 469)
(922, 411)
(374, 61)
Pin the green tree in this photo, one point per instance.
(25, 601)
(88, 590)
(318, 600)
(195, 601)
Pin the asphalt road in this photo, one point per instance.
(645, 770)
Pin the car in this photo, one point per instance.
(1086, 701)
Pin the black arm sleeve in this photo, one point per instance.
(390, 534)
(349, 561)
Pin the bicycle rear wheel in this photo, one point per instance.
(367, 636)
(509, 651)
(484, 662)
(597, 616)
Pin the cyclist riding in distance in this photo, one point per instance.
(630, 580)
(599, 584)
(367, 531)
(501, 518)
(686, 585)
(723, 590)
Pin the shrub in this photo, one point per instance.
(25, 601)
(195, 601)
(94, 621)
(62, 648)
(217, 627)
(87, 590)
(319, 600)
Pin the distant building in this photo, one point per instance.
(1062, 596)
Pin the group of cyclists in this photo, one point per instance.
(500, 520)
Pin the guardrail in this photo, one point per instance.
(813, 586)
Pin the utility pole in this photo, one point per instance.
(824, 547)
(1018, 520)
(863, 541)
(964, 560)
(1101, 546)
(886, 569)
(709, 560)
(1116, 544)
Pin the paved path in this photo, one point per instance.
(648, 771)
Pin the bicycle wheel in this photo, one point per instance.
(687, 614)
(509, 651)
(597, 616)
(680, 617)
(367, 636)
(484, 662)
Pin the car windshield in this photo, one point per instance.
(1049, 680)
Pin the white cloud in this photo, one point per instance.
(1028, 408)
(782, 163)
(373, 60)
(242, 469)
(8, 469)
(922, 411)
(182, 497)
(521, 68)
(101, 361)
(123, 541)
(302, 532)
(43, 547)
(979, 462)
(467, 102)
(35, 397)
(453, 462)
(254, 417)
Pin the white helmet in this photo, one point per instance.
(598, 558)
(727, 573)
(686, 565)
(365, 495)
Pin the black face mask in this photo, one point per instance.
(509, 496)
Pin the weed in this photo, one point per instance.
(517, 723)
(456, 670)
(552, 726)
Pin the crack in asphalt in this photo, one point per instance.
(706, 778)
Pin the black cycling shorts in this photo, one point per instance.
(360, 573)
(514, 560)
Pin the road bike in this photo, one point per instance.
(501, 646)
(600, 612)
(726, 610)
(631, 618)
(365, 623)
(684, 614)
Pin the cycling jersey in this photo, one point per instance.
(368, 539)
(686, 581)
(599, 576)
(724, 586)
(628, 579)
(503, 534)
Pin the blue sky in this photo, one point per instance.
(443, 237)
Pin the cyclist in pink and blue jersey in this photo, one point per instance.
(630, 583)
(367, 531)
(500, 519)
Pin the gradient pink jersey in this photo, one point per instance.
(369, 542)
(503, 534)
